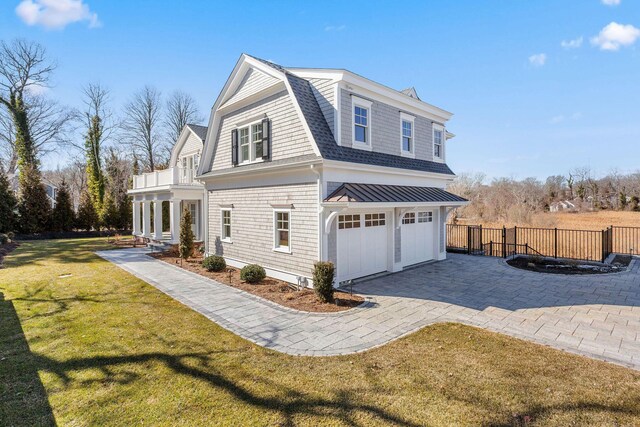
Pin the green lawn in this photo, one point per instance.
(103, 348)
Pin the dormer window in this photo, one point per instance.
(250, 141)
(407, 136)
(438, 142)
(361, 123)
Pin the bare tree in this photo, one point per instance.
(39, 122)
(141, 126)
(181, 110)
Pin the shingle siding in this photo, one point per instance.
(191, 145)
(252, 83)
(385, 128)
(288, 137)
(324, 91)
(252, 228)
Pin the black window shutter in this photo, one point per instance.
(266, 139)
(234, 147)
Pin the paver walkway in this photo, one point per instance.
(596, 315)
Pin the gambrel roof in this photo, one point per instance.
(325, 140)
(301, 92)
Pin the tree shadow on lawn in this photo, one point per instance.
(288, 403)
(24, 400)
(63, 251)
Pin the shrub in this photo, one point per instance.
(323, 275)
(252, 273)
(3, 239)
(11, 235)
(186, 245)
(214, 263)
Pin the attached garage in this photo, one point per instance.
(362, 244)
(418, 237)
(385, 227)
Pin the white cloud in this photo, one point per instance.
(335, 27)
(611, 2)
(562, 118)
(614, 36)
(538, 60)
(572, 44)
(56, 14)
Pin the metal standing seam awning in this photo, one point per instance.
(374, 195)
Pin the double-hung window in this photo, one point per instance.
(226, 225)
(282, 229)
(361, 123)
(407, 137)
(250, 143)
(438, 142)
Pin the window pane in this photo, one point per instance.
(284, 238)
(256, 132)
(361, 134)
(406, 144)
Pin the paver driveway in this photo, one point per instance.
(597, 316)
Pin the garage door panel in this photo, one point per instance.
(362, 245)
(417, 237)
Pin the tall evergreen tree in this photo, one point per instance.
(110, 214)
(186, 245)
(8, 204)
(95, 98)
(87, 216)
(24, 65)
(63, 218)
(34, 207)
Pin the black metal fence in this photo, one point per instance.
(503, 242)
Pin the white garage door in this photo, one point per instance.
(362, 245)
(417, 237)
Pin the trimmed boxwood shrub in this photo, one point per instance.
(252, 273)
(214, 263)
(323, 275)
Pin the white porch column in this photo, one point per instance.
(136, 218)
(157, 219)
(174, 213)
(146, 218)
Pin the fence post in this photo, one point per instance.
(490, 247)
(515, 240)
(555, 240)
(468, 240)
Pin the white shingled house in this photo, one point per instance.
(300, 165)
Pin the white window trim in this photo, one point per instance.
(408, 118)
(433, 142)
(252, 145)
(228, 238)
(276, 248)
(362, 103)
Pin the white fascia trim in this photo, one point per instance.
(253, 98)
(382, 205)
(397, 97)
(384, 169)
(182, 139)
(266, 169)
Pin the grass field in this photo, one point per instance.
(578, 221)
(85, 343)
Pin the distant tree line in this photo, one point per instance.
(104, 148)
(516, 201)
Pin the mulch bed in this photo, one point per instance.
(5, 250)
(545, 265)
(272, 289)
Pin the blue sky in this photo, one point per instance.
(537, 87)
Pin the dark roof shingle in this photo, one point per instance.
(201, 131)
(327, 145)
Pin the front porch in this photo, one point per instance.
(159, 201)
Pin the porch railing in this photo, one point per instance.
(170, 176)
